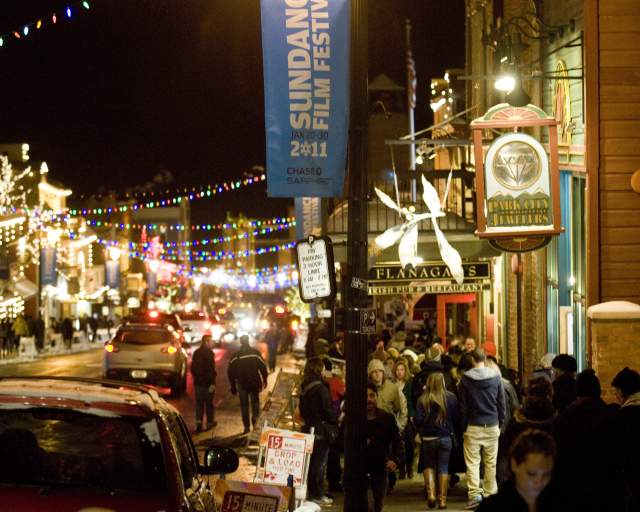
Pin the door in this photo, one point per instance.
(457, 315)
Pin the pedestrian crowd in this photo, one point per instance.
(12, 330)
(442, 410)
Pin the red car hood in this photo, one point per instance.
(54, 499)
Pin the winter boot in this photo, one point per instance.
(430, 480)
(443, 485)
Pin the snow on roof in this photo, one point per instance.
(617, 309)
(78, 390)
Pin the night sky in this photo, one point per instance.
(135, 87)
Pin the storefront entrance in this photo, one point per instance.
(457, 314)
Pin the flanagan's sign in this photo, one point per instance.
(479, 270)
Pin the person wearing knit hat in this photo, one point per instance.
(564, 383)
(390, 398)
(587, 423)
(627, 387)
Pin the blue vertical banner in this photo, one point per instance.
(113, 274)
(305, 46)
(48, 273)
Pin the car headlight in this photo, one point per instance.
(246, 324)
(264, 324)
(216, 332)
(229, 337)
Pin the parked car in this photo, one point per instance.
(70, 444)
(147, 353)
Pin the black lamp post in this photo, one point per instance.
(355, 471)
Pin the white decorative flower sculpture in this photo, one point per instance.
(407, 232)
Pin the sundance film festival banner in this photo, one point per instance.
(305, 46)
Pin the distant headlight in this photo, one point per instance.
(246, 324)
(229, 337)
(216, 332)
(264, 324)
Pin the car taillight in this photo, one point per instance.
(169, 350)
(111, 348)
(294, 325)
(153, 314)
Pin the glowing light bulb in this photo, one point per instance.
(68, 12)
(85, 5)
(25, 30)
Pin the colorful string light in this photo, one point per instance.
(192, 227)
(26, 29)
(204, 193)
(219, 255)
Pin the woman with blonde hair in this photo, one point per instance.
(437, 422)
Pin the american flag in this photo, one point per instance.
(412, 82)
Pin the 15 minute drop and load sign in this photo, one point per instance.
(317, 279)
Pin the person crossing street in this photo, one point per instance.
(247, 375)
(203, 369)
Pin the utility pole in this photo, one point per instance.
(355, 471)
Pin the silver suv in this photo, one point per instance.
(147, 353)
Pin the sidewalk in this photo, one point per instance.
(408, 496)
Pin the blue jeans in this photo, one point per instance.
(436, 453)
(245, 397)
(204, 400)
(317, 466)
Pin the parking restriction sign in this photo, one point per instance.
(317, 278)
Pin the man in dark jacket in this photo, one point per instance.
(317, 413)
(483, 412)
(564, 381)
(627, 425)
(384, 447)
(203, 369)
(583, 433)
(247, 376)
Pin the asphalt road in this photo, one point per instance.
(89, 365)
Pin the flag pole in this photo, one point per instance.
(411, 105)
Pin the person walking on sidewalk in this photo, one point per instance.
(271, 339)
(247, 375)
(437, 419)
(483, 411)
(317, 413)
(384, 447)
(203, 369)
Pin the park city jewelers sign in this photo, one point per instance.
(517, 183)
(305, 46)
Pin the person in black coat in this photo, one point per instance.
(626, 428)
(247, 373)
(317, 413)
(564, 382)
(584, 439)
(531, 462)
(385, 450)
(203, 370)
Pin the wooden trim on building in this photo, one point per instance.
(592, 143)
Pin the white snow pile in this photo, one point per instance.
(617, 309)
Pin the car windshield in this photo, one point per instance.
(143, 337)
(158, 318)
(72, 448)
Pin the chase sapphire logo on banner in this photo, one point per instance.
(305, 47)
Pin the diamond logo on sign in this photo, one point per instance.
(317, 280)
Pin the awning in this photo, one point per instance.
(25, 288)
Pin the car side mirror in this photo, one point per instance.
(220, 460)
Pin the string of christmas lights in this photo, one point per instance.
(218, 255)
(70, 11)
(204, 193)
(192, 227)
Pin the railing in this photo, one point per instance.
(460, 206)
